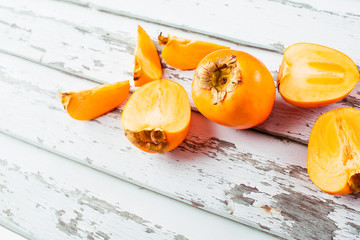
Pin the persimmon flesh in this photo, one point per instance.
(312, 75)
(156, 117)
(333, 157)
(184, 53)
(147, 61)
(92, 103)
(233, 88)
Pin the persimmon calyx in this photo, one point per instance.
(153, 140)
(65, 99)
(162, 40)
(220, 77)
(354, 181)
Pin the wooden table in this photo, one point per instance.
(67, 179)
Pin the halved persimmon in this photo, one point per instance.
(184, 53)
(312, 75)
(147, 61)
(92, 103)
(234, 89)
(156, 117)
(333, 157)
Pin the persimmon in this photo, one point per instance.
(313, 75)
(156, 117)
(92, 103)
(184, 53)
(147, 61)
(233, 88)
(333, 156)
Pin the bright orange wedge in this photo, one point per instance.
(184, 53)
(147, 61)
(92, 103)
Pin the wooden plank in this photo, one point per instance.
(50, 197)
(268, 24)
(99, 47)
(245, 176)
(8, 234)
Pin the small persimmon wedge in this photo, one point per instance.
(92, 103)
(156, 118)
(333, 157)
(147, 61)
(313, 75)
(234, 89)
(184, 53)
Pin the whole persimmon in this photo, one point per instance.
(234, 89)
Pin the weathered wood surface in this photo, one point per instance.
(242, 175)
(99, 46)
(245, 176)
(50, 197)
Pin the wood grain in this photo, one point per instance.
(99, 46)
(49, 197)
(245, 176)
(267, 24)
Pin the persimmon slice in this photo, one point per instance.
(92, 103)
(184, 53)
(312, 75)
(156, 117)
(333, 157)
(147, 61)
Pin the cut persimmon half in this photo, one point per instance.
(184, 53)
(156, 117)
(333, 156)
(234, 89)
(312, 75)
(92, 103)
(147, 61)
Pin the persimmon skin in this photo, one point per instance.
(158, 89)
(91, 103)
(322, 55)
(185, 54)
(249, 104)
(147, 61)
(333, 149)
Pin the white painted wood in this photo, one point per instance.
(9, 235)
(245, 176)
(271, 24)
(46, 196)
(99, 46)
(242, 175)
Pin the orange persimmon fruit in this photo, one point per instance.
(156, 117)
(333, 156)
(234, 89)
(184, 53)
(92, 103)
(313, 75)
(147, 61)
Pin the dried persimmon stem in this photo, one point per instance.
(220, 77)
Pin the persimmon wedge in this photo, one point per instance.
(184, 53)
(333, 157)
(312, 75)
(156, 117)
(147, 61)
(234, 89)
(92, 103)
